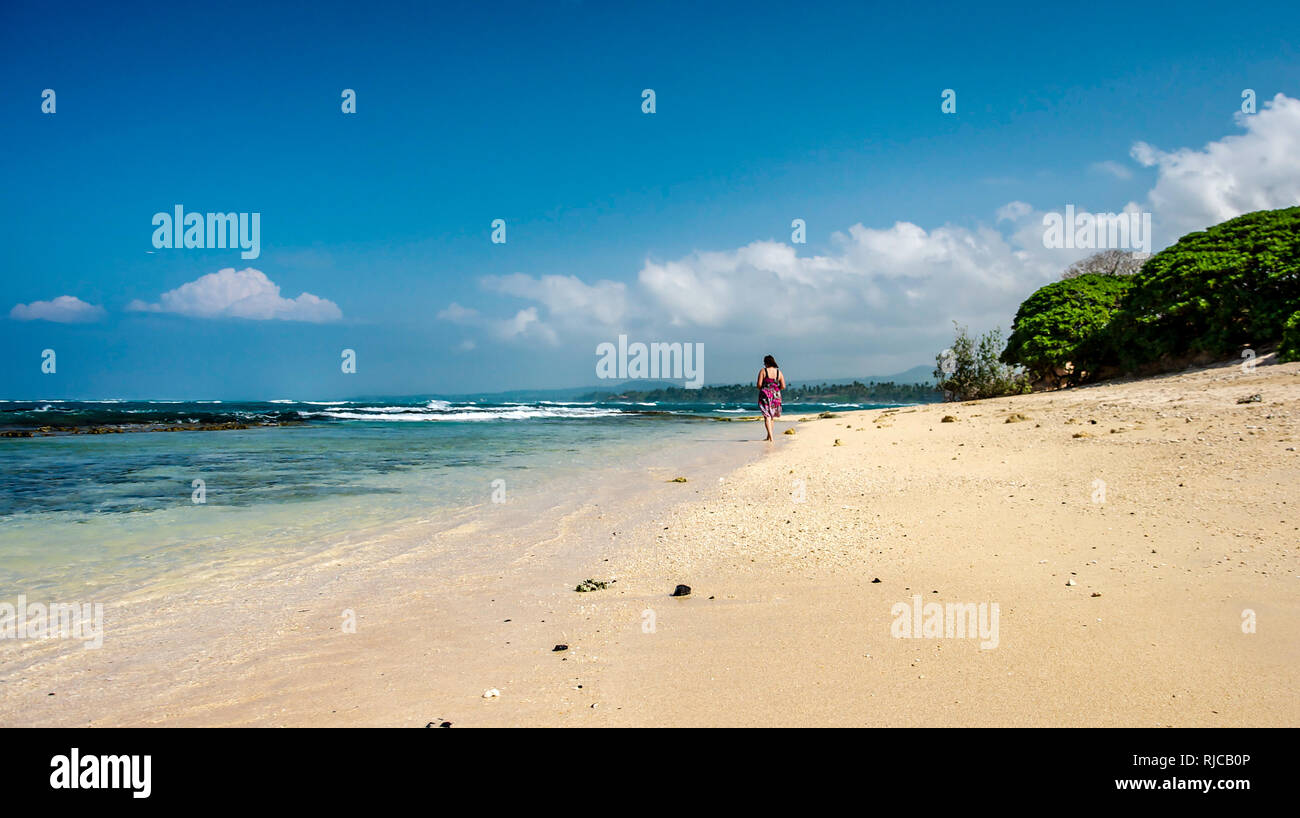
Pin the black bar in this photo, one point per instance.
(575, 770)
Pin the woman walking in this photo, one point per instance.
(770, 384)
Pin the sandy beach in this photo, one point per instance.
(1125, 532)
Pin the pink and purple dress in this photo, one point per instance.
(769, 396)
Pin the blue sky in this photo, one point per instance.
(671, 226)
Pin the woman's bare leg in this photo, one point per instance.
(767, 423)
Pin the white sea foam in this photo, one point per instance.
(387, 409)
(463, 413)
(311, 402)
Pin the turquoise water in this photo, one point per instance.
(81, 513)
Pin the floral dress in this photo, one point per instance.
(769, 396)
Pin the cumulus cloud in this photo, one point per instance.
(895, 286)
(1240, 173)
(524, 324)
(248, 293)
(571, 304)
(66, 309)
(604, 301)
(873, 281)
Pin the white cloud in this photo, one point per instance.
(1113, 168)
(874, 284)
(570, 303)
(1241, 173)
(1014, 211)
(563, 296)
(457, 314)
(245, 293)
(66, 309)
(524, 324)
(874, 281)
(519, 325)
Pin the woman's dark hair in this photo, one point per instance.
(768, 360)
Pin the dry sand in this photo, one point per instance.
(1172, 507)
(1199, 521)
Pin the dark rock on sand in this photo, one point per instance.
(682, 590)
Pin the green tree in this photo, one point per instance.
(1213, 291)
(971, 369)
(1290, 348)
(1059, 333)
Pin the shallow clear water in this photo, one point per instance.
(80, 513)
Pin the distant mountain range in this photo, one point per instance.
(916, 375)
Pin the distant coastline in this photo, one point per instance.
(856, 392)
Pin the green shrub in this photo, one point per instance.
(1062, 327)
(971, 369)
(1213, 291)
(1290, 348)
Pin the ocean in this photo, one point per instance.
(99, 499)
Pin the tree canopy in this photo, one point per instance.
(1060, 331)
(1213, 291)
